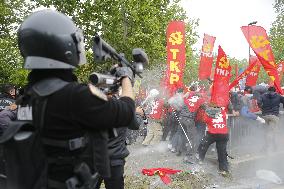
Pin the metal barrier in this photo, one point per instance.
(244, 132)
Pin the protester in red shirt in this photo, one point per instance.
(154, 129)
(216, 131)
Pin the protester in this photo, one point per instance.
(246, 106)
(154, 128)
(269, 103)
(170, 124)
(217, 131)
(71, 116)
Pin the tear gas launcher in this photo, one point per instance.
(103, 51)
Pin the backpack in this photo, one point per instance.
(25, 161)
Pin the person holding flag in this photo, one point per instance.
(216, 131)
(154, 129)
(215, 114)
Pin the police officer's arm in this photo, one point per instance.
(138, 119)
(127, 89)
(91, 108)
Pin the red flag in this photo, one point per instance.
(162, 172)
(258, 41)
(242, 75)
(220, 89)
(176, 55)
(206, 57)
(253, 74)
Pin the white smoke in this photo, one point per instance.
(176, 101)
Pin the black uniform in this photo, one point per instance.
(67, 122)
(117, 152)
(74, 111)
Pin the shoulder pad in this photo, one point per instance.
(97, 92)
(49, 86)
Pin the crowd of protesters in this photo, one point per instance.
(84, 150)
(190, 123)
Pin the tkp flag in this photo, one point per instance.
(258, 41)
(253, 74)
(220, 89)
(175, 55)
(206, 57)
(242, 76)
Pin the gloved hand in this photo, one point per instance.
(125, 72)
(261, 120)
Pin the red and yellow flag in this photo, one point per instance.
(253, 75)
(258, 41)
(242, 75)
(175, 55)
(220, 89)
(206, 57)
(162, 172)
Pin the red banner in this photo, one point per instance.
(258, 41)
(242, 75)
(206, 57)
(253, 74)
(220, 89)
(175, 55)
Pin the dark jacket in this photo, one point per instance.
(117, 145)
(269, 103)
(5, 117)
(74, 111)
(236, 101)
(5, 100)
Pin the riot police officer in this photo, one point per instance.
(67, 111)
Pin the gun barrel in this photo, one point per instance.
(102, 80)
(105, 46)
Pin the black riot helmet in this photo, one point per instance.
(50, 40)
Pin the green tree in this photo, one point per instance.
(126, 24)
(11, 14)
(277, 31)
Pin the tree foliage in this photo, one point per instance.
(126, 24)
(277, 31)
(11, 14)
